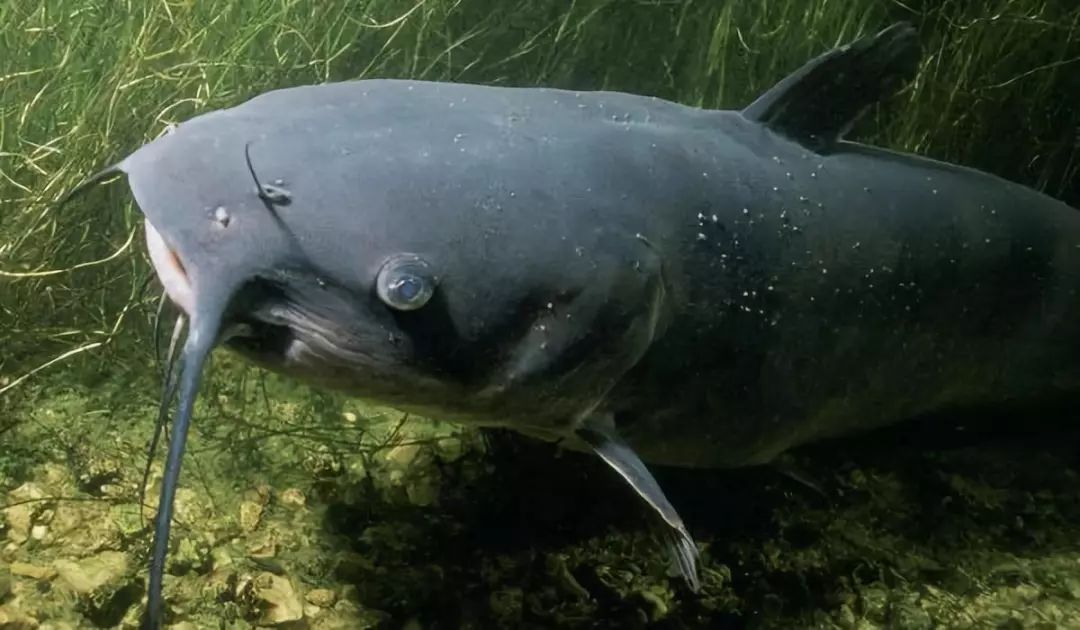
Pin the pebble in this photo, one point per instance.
(263, 549)
(34, 571)
(250, 515)
(13, 620)
(321, 597)
(20, 516)
(283, 605)
(293, 497)
(402, 456)
(89, 574)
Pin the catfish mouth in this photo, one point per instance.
(170, 270)
(260, 321)
(300, 323)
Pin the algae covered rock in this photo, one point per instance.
(26, 505)
(102, 584)
(321, 597)
(34, 571)
(276, 600)
(90, 574)
(16, 620)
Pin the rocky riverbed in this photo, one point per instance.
(326, 514)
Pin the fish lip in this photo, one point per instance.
(170, 270)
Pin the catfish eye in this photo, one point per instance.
(405, 282)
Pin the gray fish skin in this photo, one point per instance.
(737, 293)
(854, 290)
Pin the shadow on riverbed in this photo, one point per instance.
(927, 522)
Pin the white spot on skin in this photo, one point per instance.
(221, 215)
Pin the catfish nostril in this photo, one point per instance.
(275, 195)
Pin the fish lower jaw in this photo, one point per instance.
(170, 270)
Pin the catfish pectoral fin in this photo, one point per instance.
(600, 434)
(685, 553)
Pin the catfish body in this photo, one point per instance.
(642, 279)
(854, 290)
(805, 295)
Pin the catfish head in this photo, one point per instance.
(467, 263)
(358, 238)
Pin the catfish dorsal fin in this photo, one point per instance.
(818, 103)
